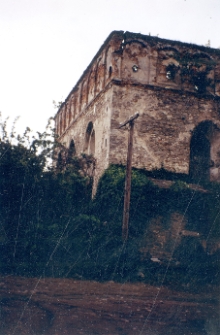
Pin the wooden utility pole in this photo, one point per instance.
(127, 193)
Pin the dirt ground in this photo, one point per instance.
(66, 306)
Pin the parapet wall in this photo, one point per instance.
(139, 59)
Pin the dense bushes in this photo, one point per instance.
(51, 227)
(37, 203)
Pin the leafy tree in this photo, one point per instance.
(37, 200)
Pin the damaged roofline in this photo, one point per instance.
(128, 35)
(114, 32)
(125, 36)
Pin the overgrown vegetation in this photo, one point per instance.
(50, 226)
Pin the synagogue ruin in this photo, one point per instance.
(175, 88)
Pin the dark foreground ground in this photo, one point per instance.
(64, 306)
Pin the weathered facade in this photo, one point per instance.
(174, 86)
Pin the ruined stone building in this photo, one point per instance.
(174, 86)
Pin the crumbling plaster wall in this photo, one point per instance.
(99, 113)
(172, 85)
(164, 128)
(170, 64)
(94, 80)
(152, 58)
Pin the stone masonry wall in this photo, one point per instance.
(94, 80)
(99, 114)
(174, 87)
(164, 128)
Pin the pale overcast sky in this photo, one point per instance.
(45, 45)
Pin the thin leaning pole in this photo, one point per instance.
(127, 190)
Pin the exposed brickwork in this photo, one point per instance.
(173, 86)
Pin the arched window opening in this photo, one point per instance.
(72, 148)
(200, 152)
(71, 152)
(89, 147)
